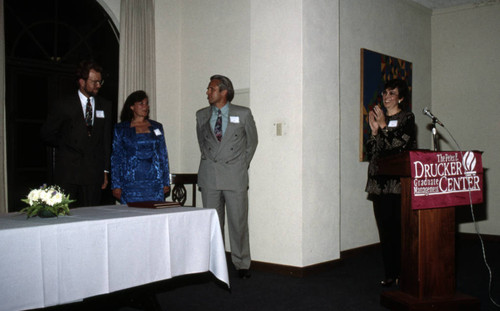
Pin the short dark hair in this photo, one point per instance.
(84, 67)
(224, 84)
(403, 90)
(127, 114)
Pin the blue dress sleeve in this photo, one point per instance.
(163, 156)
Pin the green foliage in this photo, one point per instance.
(47, 201)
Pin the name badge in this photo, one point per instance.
(99, 114)
(234, 119)
(393, 123)
(157, 132)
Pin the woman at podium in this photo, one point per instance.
(392, 132)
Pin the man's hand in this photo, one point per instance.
(105, 183)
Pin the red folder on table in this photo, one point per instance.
(154, 204)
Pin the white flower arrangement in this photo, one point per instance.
(47, 201)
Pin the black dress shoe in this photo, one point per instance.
(389, 282)
(244, 274)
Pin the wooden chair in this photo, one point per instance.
(178, 192)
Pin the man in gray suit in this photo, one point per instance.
(228, 138)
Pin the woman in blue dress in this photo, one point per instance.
(139, 161)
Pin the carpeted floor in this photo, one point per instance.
(350, 285)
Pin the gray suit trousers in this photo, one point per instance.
(236, 204)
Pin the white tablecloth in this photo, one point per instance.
(99, 250)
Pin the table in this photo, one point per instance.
(98, 250)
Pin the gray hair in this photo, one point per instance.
(224, 84)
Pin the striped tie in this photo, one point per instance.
(88, 116)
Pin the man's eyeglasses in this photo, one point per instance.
(94, 82)
(385, 93)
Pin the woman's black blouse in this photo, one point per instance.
(398, 136)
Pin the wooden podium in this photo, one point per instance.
(427, 279)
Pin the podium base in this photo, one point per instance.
(397, 300)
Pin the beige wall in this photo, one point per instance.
(321, 132)
(276, 96)
(299, 61)
(294, 191)
(392, 27)
(262, 51)
(465, 92)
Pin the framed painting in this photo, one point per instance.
(376, 70)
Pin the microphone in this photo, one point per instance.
(428, 113)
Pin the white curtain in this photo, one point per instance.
(137, 51)
(3, 159)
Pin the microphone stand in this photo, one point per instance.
(434, 135)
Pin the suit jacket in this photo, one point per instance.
(224, 165)
(80, 159)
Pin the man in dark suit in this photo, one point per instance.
(80, 128)
(228, 139)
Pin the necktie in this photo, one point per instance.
(88, 116)
(218, 126)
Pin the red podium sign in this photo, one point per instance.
(441, 179)
(430, 180)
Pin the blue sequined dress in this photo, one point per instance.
(139, 163)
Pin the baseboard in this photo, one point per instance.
(295, 271)
(473, 236)
(356, 251)
(327, 265)
(304, 271)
